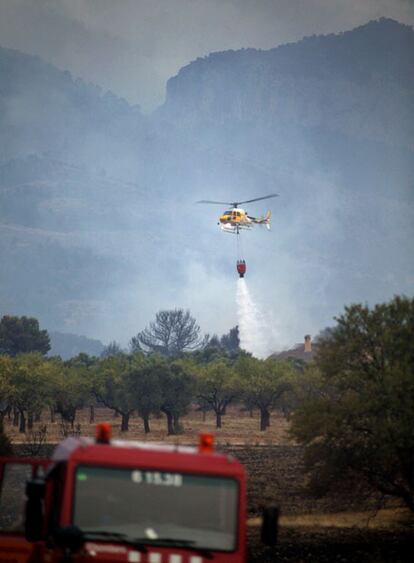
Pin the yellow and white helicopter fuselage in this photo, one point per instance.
(234, 220)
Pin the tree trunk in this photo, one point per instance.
(264, 419)
(30, 421)
(91, 414)
(124, 422)
(176, 419)
(15, 417)
(204, 415)
(52, 415)
(218, 419)
(38, 416)
(22, 426)
(146, 423)
(170, 425)
(251, 413)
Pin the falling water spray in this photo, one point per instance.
(253, 330)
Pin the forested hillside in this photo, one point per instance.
(358, 83)
(45, 110)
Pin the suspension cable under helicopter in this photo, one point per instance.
(239, 244)
(241, 263)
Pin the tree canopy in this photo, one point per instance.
(231, 340)
(262, 383)
(111, 349)
(112, 386)
(178, 385)
(361, 420)
(217, 387)
(20, 335)
(144, 385)
(173, 332)
(30, 385)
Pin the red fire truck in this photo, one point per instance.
(113, 501)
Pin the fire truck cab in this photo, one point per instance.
(123, 501)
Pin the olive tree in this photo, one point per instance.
(217, 387)
(86, 364)
(30, 383)
(111, 386)
(144, 380)
(71, 390)
(177, 384)
(263, 383)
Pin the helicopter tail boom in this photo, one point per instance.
(261, 220)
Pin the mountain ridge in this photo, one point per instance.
(98, 225)
(308, 83)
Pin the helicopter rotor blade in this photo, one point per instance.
(258, 198)
(237, 203)
(215, 202)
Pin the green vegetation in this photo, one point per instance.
(356, 418)
(217, 387)
(71, 387)
(29, 385)
(22, 334)
(144, 378)
(172, 333)
(112, 386)
(178, 386)
(263, 384)
(178, 368)
(112, 349)
(352, 408)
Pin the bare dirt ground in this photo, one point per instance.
(334, 545)
(237, 428)
(341, 527)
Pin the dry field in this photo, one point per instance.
(339, 528)
(237, 428)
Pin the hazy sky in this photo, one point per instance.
(133, 46)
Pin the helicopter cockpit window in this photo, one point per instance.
(227, 213)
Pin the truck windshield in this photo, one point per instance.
(156, 505)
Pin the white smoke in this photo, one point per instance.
(254, 331)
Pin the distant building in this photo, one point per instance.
(304, 351)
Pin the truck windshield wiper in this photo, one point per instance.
(115, 537)
(184, 544)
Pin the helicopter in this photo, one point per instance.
(236, 218)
